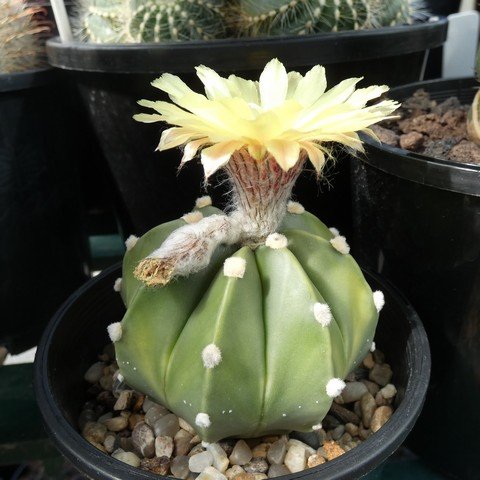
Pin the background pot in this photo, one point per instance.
(77, 333)
(417, 222)
(41, 245)
(113, 77)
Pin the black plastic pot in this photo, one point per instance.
(417, 222)
(113, 77)
(41, 245)
(78, 332)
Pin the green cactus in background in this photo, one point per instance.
(300, 17)
(473, 120)
(22, 35)
(129, 21)
(267, 311)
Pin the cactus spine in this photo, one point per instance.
(130, 21)
(473, 121)
(300, 17)
(21, 42)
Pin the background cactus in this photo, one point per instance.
(299, 17)
(128, 21)
(473, 121)
(22, 33)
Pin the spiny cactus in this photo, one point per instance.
(473, 121)
(300, 17)
(127, 21)
(267, 312)
(22, 31)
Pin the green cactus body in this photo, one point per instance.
(273, 358)
(127, 21)
(473, 119)
(299, 17)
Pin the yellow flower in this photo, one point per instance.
(282, 114)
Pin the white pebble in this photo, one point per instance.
(335, 387)
(115, 331)
(295, 459)
(193, 217)
(378, 300)
(126, 457)
(295, 207)
(117, 286)
(211, 473)
(234, 267)
(211, 356)
(130, 242)
(202, 202)
(276, 241)
(203, 420)
(340, 244)
(322, 314)
(200, 461)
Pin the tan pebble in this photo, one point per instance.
(182, 443)
(315, 460)
(126, 443)
(116, 424)
(124, 400)
(388, 391)
(372, 387)
(368, 361)
(244, 476)
(106, 382)
(196, 449)
(380, 400)
(97, 445)
(261, 450)
(252, 442)
(332, 450)
(352, 429)
(357, 409)
(368, 406)
(137, 406)
(109, 443)
(234, 471)
(163, 446)
(195, 440)
(270, 439)
(158, 465)
(186, 426)
(411, 141)
(364, 433)
(260, 476)
(380, 417)
(126, 457)
(94, 432)
(134, 419)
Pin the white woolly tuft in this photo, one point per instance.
(117, 286)
(295, 207)
(205, 444)
(193, 217)
(211, 356)
(335, 231)
(318, 426)
(322, 314)
(276, 240)
(205, 201)
(378, 300)
(130, 242)
(115, 331)
(373, 347)
(335, 387)
(234, 267)
(340, 244)
(202, 420)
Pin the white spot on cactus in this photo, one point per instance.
(185, 402)
(193, 217)
(284, 414)
(234, 267)
(202, 420)
(335, 387)
(202, 202)
(299, 406)
(130, 242)
(211, 356)
(295, 207)
(115, 331)
(340, 244)
(276, 240)
(322, 314)
(318, 426)
(230, 411)
(117, 286)
(334, 231)
(373, 347)
(378, 300)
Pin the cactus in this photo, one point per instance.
(268, 311)
(22, 31)
(473, 120)
(299, 17)
(128, 21)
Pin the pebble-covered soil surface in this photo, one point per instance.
(435, 129)
(134, 429)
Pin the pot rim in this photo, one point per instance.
(11, 82)
(85, 456)
(433, 172)
(222, 54)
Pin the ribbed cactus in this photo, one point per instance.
(473, 121)
(245, 323)
(300, 17)
(136, 21)
(22, 30)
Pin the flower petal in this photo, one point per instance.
(286, 153)
(315, 155)
(191, 149)
(147, 117)
(173, 85)
(273, 84)
(311, 87)
(173, 137)
(360, 97)
(246, 89)
(218, 155)
(215, 86)
(293, 79)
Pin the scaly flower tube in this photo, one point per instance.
(282, 114)
(261, 133)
